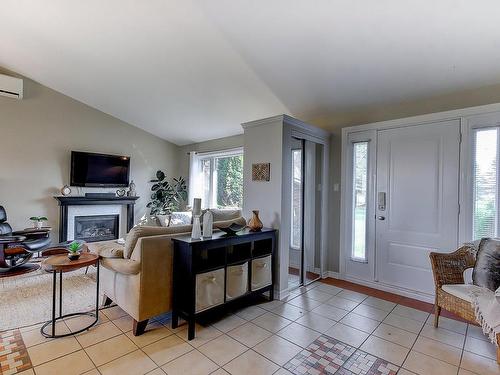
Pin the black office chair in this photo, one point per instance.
(17, 248)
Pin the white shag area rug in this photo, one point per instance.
(27, 299)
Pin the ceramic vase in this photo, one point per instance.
(255, 224)
(208, 222)
(196, 231)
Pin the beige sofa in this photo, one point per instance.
(137, 276)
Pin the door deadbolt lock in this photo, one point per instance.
(382, 218)
(381, 201)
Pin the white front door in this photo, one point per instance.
(416, 201)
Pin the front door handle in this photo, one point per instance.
(382, 218)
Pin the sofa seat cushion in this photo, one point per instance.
(462, 291)
(123, 266)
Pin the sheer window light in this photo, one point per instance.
(217, 178)
(359, 194)
(485, 183)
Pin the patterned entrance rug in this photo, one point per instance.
(27, 299)
(329, 356)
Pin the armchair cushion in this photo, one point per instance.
(36, 244)
(487, 268)
(123, 266)
(462, 291)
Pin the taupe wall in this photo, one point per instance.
(36, 137)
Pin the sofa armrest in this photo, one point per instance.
(155, 254)
(449, 268)
(123, 266)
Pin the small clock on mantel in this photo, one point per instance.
(65, 190)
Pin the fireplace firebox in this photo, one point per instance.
(96, 227)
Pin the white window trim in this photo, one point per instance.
(292, 246)
(468, 126)
(347, 200)
(195, 163)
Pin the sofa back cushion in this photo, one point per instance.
(486, 271)
(145, 231)
(225, 214)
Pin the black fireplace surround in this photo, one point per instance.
(65, 202)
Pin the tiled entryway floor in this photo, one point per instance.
(320, 329)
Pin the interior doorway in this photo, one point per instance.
(306, 212)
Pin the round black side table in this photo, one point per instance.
(61, 264)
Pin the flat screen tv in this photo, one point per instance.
(99, 170)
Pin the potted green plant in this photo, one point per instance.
(166, 196)
(74, 250)
(38, 221)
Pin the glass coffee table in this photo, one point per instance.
(62, 264)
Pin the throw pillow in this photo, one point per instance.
(164, 220)
(180, 218)
(486, 271)
(149, 221)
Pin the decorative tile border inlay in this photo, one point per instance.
(329, 356)
(366, 364)
(324, 356)
(14, 357)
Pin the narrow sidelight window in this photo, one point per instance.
(296, 232)
(485, 183)
(359, 207)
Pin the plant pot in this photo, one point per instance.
(37, 224)
(73, 256)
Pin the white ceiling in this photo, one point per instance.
(192, 70)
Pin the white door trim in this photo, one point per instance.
(469, 119)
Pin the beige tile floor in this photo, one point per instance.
(261, 339)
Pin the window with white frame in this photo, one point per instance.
(217, 178)
(296, 222)
(359, 199)
(485, 180)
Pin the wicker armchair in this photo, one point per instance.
(449, 269)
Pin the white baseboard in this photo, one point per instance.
(425, 297)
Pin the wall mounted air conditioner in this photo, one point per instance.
(11, 87)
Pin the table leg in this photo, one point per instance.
(60, 294)
(175, 320)
(191, 327)
(54, 279)
(97, 293)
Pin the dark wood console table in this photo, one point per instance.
(65, 202)
(212, 274)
